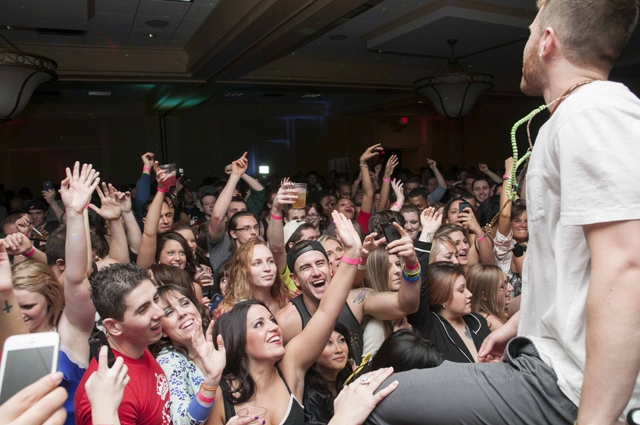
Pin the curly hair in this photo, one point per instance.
(241, 283)
(37, 277)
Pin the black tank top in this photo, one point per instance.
(346, 318)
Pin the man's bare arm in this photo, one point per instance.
(613, 321)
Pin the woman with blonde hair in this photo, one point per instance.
(443, 248)
(491, 293)
(467, 256)
(253, 275)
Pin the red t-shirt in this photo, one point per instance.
(146, 397)
(363, 221)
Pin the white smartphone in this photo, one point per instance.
(25, 359)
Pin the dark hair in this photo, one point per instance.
(222, 271)
(233, 225)
(55, 245)
(410, 208)
(406, 349)
(488, 209)
(201, 232)
(163, 293)
(295, 236)
(239, 199)
(164, 274)
(313, 379)
(233, 328)
(111, 285)
(516, 211)
(375, 223)
(163, 238)
(419, 191)
(481, 179)
(414, 179)
(145, 206)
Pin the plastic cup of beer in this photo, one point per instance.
(170, 171)
(301, 202)
(258, 413)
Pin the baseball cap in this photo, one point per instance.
(303, 247)
(36, 204)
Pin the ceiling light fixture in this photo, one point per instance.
(452, 91)
(310, 96)
(150, 35)
(20, 74)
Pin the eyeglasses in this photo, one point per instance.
(313, 215)
(255, 228)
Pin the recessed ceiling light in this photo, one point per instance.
(338, 37)
(8, 27)
(99, 93)
(156, 23)
(151, 35)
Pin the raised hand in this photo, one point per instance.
(403, 247)
(370, 152)
(431, 220)
(348, 234)
(483, 168)
(391, 164)
(508, 165)
(49, 196)
(213, 361)
(467, 219)
(397, 187)
(124, 198)
(17, 244)
(203, 277)
(109, 202)
(161, 176)
(431, 163)
(105, 388)
(147, 159)
(240, 165)
(286, 195)
(370, 244)
(24, 224)
(77, 188)
(6, 284)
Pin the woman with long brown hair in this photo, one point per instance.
(491, 293)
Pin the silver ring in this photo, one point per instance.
(365, 380)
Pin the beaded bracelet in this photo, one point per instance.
(276, 217)
(351, 261)
(30, 253)
(410, 278)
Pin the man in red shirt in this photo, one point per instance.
(126, 300)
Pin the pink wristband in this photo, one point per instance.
(482, 238)
(409, 268)
(30, 253)
(395, 204)
(163, 189)
(506, 176)
(349, 260)
(207, 400)
(386, 180)
(145, 168)
(276, 217)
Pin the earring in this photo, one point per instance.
(444, 306)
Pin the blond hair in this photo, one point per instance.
(34, 276)
(484, 282)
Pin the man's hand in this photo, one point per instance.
(105, 388)
(109, 203)
(371, 152)
(124, 198)
(391, 164)
(431, 163)
(17, 244)
(161, 176)
(240, 165)
(77, 188)
(483, 168)
(286, 195)
(147, 159)
(49, 196)
(24, 224)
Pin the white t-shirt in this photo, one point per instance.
(583, 170)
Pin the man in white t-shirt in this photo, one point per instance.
(575, 341)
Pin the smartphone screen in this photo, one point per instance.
(25, 366)
(462, 206)
(47, 185)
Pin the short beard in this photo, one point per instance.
(532, 76)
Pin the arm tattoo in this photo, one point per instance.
(360, 296)
(7, 308)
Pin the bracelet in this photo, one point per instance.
(30, 253)
(362, 266)
(145, 168)
(411, 268)
(395, 204)
(206, 400)
(276, 217)
(364, 164)
(410, 278)
(212, 389)
(351, 261)
(163, 189)
(482, 238)
(386, 180)
(506, 176)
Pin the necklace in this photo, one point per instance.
(512, 182)
(467, 332)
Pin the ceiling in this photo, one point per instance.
(353, 54)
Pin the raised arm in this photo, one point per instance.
(434, 167)
(615, 273)
(367, 185)
(430, 220)
(275, 232)
(134, 235)
(394, 305)
(493, 176)
(11, 321)
(143, 186)
(50, 197)
(79, 312)
(110, 210)
(147, 252)
(217, 222)
(483, 245)
(305, 348)
(19, 244)
(392, 162)
(397, 190)
(504, 220)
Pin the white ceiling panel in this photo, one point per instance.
(124, 7)
(58, 14)
(140, 22)
(163, 9)
(111, 20)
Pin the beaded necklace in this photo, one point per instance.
(512, 180)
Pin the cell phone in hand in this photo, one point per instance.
(463, 205)
(25, 359)
(96, 341)
(47, 185)
(390, 232)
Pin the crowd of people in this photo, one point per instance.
(389, 298)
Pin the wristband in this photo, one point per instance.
(163, 189)
(30, 253)
(349, 260)
(276, 217)
(395, 204)
(482, 238)
(362, 266)
(410, 278)
(212, 389)
(386, 180)
(363, 164)
(411, 268)
(506, 176)
(206, 400)
(145, 168)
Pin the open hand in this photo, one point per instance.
(105, 387)
(348, 234)
(391, 164)
(213, 361)
(125, 201)
(109, 202)
(370, 244)
(431, 220)
(77, 188)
